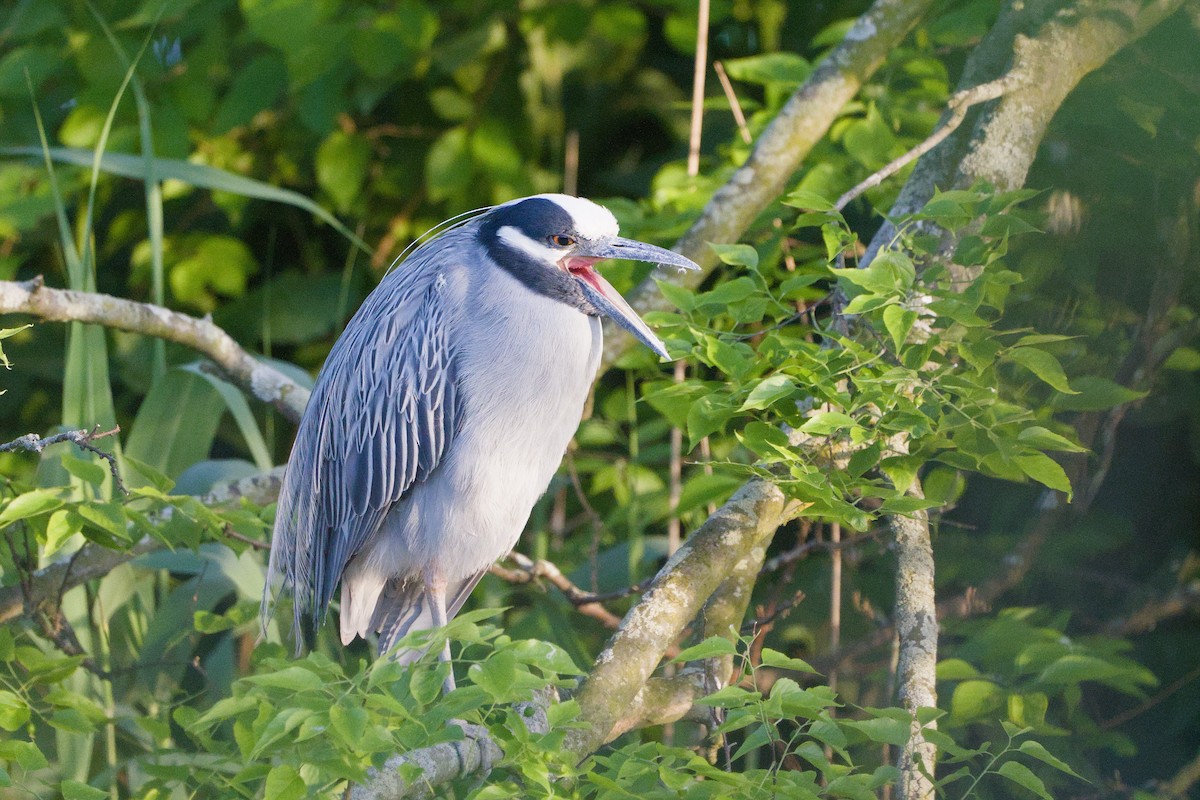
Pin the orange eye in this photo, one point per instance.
(561, 240)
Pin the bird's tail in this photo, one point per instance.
(404, 606)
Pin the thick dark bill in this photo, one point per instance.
(602, 295)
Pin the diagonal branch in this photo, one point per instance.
(743, 525)
(261, 380)
(781, 149)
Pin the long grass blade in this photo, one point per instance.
(154, 200)
(235, 401)
(200, 175)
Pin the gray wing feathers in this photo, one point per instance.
(383, 412)
(403, 607)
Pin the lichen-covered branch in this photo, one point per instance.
(781, 148)
(63, 305)
(917, 628)
(747, 521)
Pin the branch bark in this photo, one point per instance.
(745, 523)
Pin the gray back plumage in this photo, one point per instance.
(385, 408)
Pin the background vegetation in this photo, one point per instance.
(1061, 322)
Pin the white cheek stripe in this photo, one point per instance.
(518, 240)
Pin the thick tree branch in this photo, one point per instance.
(63, 305)
(745, 523)
(781, 148)
(917, 627)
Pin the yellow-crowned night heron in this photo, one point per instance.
(444, 410)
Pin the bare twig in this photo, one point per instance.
(958, 106)
(80, 438)
(734, 105)
(257, 544)
(1149, 703)
(802, 549)
(588, 603)
(699, 70)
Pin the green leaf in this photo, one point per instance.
(955, 669)
(712, 647)
(1029, 709)
(768, 391)
(86, 471)
(30, 504)
(297, 679)
(1045, 470)
(74, 790)
(348, 720)
(1020, 774)
(726, 294)
(887, 730)
(284, 783)
(14, 712)
(342, 161)
(205, 177)
(870, 140)
(826, 422)
(774, 658)
(778, 67)
(61, 527)
(974, 699)
(803, 198)
(737, 255)
(1036, 750)
(1095, 394)
(4, 334)
(1076, 667)
(898, 321)
(1043, 439)
(1183, 359)
(107, 518)
(1043, 365)
(680, 297)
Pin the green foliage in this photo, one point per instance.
(269, 139)
(899, 379)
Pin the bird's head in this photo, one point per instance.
(552, 242)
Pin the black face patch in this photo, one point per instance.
(539, 219)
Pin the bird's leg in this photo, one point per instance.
(435, 595)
